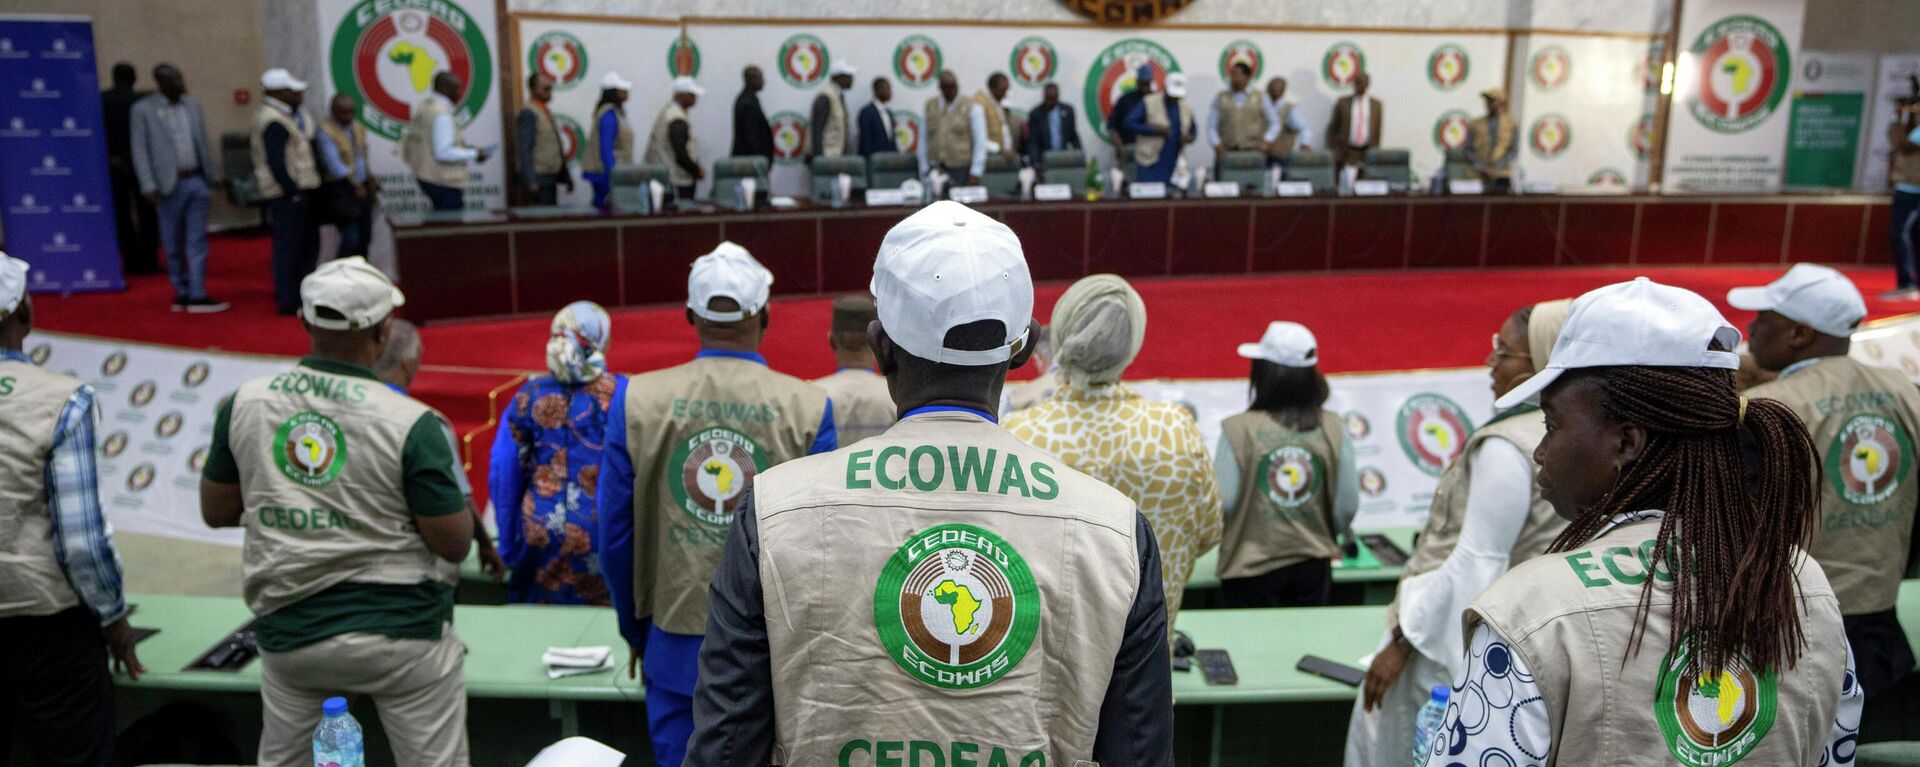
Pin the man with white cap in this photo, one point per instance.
(284, 169)
(1163, 125)
(672, 143)
(683, 445)
(61, 609)
(356, 514)
(610, 140)
(1675, 620)
(829, 133)
(436, 150)
(943, 592)
(1490, 142)
(1863, 419)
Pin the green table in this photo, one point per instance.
(1364, 573)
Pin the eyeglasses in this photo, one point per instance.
(1500, 350)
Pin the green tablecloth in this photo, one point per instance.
(1362, 569)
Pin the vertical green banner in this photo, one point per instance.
(1823, 139)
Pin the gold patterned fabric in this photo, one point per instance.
(1151, 451)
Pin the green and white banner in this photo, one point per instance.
(1580, 104)
(1892, 84)
(1728, 127)
(1829, 111)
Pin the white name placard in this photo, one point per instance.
(1371, 187)
(879, 197)
(1294, 189)
(969, 195)
(1223, 189)
(1053, 192)
(1147, 190)
(1466, 186)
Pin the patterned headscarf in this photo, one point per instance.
(576, 350)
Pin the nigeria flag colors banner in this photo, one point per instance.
(384, 53)
(1728, 128)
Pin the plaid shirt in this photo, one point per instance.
(82, 539)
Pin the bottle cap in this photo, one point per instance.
(334, 706)
(1440, 693)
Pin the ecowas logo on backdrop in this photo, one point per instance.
(1290, 476)
(1033, 61)
(1607, 177)
(1451, 129)
(1868, 458)
(803, 61)
(560, 56)
(310, 449)
(683, 57)
(1432, 430)
(917, 61)
(1715, 718)
(1238, 52)
(1742, 76)
(906, 131)
(1447, 67)
(711, 470)
(1551, 67)
(1550, 136)
(1640, 137)
(384, 55)
(956, 607)
(571, 136)
(1342, 62)
(789, 136)
(1114, 70)
(1651, 65)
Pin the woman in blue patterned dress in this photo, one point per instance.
(545, 466)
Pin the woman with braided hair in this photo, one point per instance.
(1676, 620)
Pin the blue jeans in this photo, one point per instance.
(444, 197)
(183, 234)
(1906, 213)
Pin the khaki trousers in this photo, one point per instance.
(418, 686)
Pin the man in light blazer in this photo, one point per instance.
(172, 161)
(1355, 127)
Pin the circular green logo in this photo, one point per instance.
(956, 607)
(1742, 75)
(1607, 177)
(710, 472)
(803, 61)
(1290, 476)
(1342, 62)
(1114, 71)
(1033, 62)
(1447, 67)
(384, 56)
(560, 56)
(789, 137)
(1712, 719)
(916, 61)
(1550, 135)
(1451, 129)
(1551, 67)
(683, 57)
(1869, 458)
(310, 449)
(1432, 430)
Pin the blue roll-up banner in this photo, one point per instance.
(55, 202)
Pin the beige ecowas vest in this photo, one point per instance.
(1448, 513)
(622, 143)
(660, 146)
(349, 143)
(1283, 146)
(299, 153)
(833, 137)
(31, 401)
(862, 405)
(416, 146)
(1146, 148)
(321, 476)
(954, 593)
(1569, 615)
(1863, 420)
(1284, 514)
(949, 136)
(548, 158)
(1241, 127)
(698, 434)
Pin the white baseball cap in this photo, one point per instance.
(1177, 85)
(1285, 343)
(844, 68)
(1640, 323)
(684, 84)
(13, 283)
(728, 272)
(1816, 296)
(360, 293)
(613, 81)
(946, 266)
(276, 79)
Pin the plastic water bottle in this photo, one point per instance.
(337, 742)
(1432, 713)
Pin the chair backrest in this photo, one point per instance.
(826, 168)
(627, 190)
(1314, 167)
(1065, 166)
(1246, 168)
(727, 173)
(1389, 165)
(886, 170)
(236, 166)
(1064, 158)
(1001, 177)
(1458, 167)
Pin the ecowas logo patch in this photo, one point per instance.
(1551, 67)
(1033, 62)
(1447, 67)
(956, 607)
(1868, 458)
(1712, 719)
(560, 56)
(1290, 476)
(1342, 62)
(1550, 136)
(1433, 430)
(1742, 76)
(1451, 129)
(384, 55)
(917, 61)
(711, 471)
(310, 449)
(789, 136)
(803, 61)
(1114, 71)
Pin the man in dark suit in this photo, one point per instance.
(876, 121)
(1355, 127)
(135, 224)
(752, 134)
(1050, 126)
